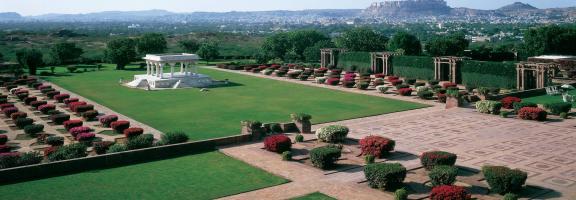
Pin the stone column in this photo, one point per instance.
(147, 68)
(518, 78)
(172, 70)
(182, 67)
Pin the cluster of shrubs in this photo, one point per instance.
(15, 159)
(325, 157)
(376, 146)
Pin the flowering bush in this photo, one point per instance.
(451, 192)
(379, 76)
(396, 82)
(36, 104)
(60, 98)
(8, 160)
(449, 85)
(508, 102)
(90, 115)
(120, 126)
(83, 108)
(106, 120)
(41, 87)
(332, 133)
(385, 175)
(3, 139)
(4, 148)
(277, 143)
(59, 119)
(46, 108)
(72, 123)
(79, 129)
(433, 158)
(50, 150)
(8, 111)
(405, 91)
(392, 78)
(133, 132)
(376, 146)
(85, 137)
(503, 180)
(531, 113)
(29, 100)
(70, 100)
(73, 105)
(101, 147)
(487, 106)
(333, 81)
(6, 105)
(51, 94)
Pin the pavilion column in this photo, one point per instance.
(518, 79)
(147, 68)
(153, 69)
(172, 70)
(181, 67)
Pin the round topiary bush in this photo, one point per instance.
(425, 94)
(23, 122)
(72, 123)
(18, 115)
(9, 111)
(90, 115)
(434, 158)
(299, 138)
(332, 133)
(508, 102)
(324, 157)
(405, 91)
(33, 129)
(451, 192)
(504, 180)
(174, 137)
(78, 130)
(388, 176)
(46, 108)
(401, 194)
(287, 156)
(376, 146)
(106, 120)
(55, 141)
(60, 98)
(3, 139)
(277, 143)
(36, 104)
(530, 113)
(59, 119)
(443, 175)
(120, 126)
(133, 132)
(510, 196)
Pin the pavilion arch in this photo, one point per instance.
(381, 62)
(329, 56)
(532, 75)
(446, 68)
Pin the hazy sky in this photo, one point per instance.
(35, 7)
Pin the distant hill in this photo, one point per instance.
(517, 6)
(9, 16)
(105, 16)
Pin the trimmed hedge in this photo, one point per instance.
(443, 175)
(72, 123)
(174, 137)
(133, 132)
(325, 157)
(120, 126)
(66, 152)
(413, 67)
(362, 61)
(59, 119)
(107, 120)
(503, 180)
(489, 74)
(530, 113)
(376, 146)
(488, 107)
(557, 108)
(33, 129)
(55, 141)
(140, 141)
(432, 159)
(332, 133)
(508, 102)
(23, 122)
(277, 143)
(518, 105)
(386, 176)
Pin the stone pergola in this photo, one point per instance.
(532, 75)
(155, 64)
(384, 57)
(328, 56)
(452, 62)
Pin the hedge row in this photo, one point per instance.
(418, 67)
(362, 60)
(489, 74)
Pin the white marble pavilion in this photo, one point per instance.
(182, 74)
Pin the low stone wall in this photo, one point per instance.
(60, 168)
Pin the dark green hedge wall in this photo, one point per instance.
(489, 74)
(418, 67)
(360, 59)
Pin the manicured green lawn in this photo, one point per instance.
(217, 113)
(544, 99)
(202, 176)
(314, 196)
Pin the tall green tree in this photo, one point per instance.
(312, 54)
(190, 46)
(30, 58)
(151, 43)
(291, 45)
(65, 53)
(276, 46)
(208, 51)
(1, 58)
(120, 51)
(550, 40)
(362, 39)
(407, 42)
(451, 45)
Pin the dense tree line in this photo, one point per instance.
(550, 40)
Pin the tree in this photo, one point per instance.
(291, 45)
(120, 51)
(452, 45)
(362, 39)
(550, 40)
(30, 58)
(312, 54)
(302, 39)
(407, 42)
(208, 51)
(151, 43)
(276, 46)
(190, 46)
(65, 53)
(1, 58)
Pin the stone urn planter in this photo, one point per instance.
(302, 122)
(252, 128)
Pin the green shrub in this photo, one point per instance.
(402, 86)
(71, 69)
(385, 175)
(66, 152)
(299, 138)
(413, 67)
(434, 158)
(23, 122)
(489, 74)
(287, 156)
(504, 114)
(557, 108)
(518, 105)
(418, 84)
(33, 129)
(425, 94)
(55, 141)
(30, 158)
(433, 82)
(332, 133)
(117, 148)
(174, 137)
(401, 194)
(9, 160)
(484, 91)
(140, 141)
(564, 115)
(488, 107)
(324, 157)
(300, 117)
(504, 180)
(361, 60)
(369, 159)
(443, 175)
(510, 196)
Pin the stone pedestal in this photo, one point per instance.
(304, 127)
(453, 102)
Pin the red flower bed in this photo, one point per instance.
(71, 124)
(449, 85)
(133, 132)
(106, 120)
(451, 192)
(277, 143)
(262, 67)
(29, 100)
(508, 102)
(17, 115)
(4, 148)
(379, 75)
(431, 159)
(405, 91)
(8, 111)
(50, 150)
(321, 70)
(70, 100)
(60, 98)
(392, 78)
(35, 104)
(120, 126)
(3, 139)
(396, 82)
(376, 146)
(46, 108)
(85, 137)
(73, 105)
(20, 91)
(530, 113)
(83, 108)
(78, 130)
(40, 87)
(333, 81)
(6, 105)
